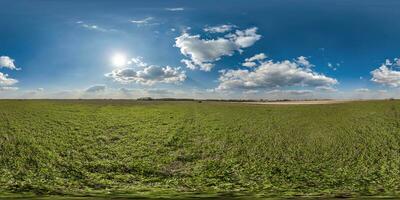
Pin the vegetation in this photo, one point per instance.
(116, 146)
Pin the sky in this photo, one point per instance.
(227, 49)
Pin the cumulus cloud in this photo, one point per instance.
(6, 81)
(219, 29)
(96, 89)
(191, 65)
(386, 76)
(303, 61)
(147, 74)
(7, 62)
(175, 9)
(252, 61)
(203, 52)
(245, 38)
(271, 74)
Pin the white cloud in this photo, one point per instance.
(94, 27)
(175, 9)
(273, 75)
(251, 62)
(189, 64)
(333, 67)
(362, 90)
(96, 89)
(142, 21)
(203, 52)
(245, 38)
(7, 62)
(6, 81)
(386, 76)
(388, 62)
(8, 88)
(258, 57)
(137, 61)
(303, 61)
(148, 74)
(219, 29)
(397, 62)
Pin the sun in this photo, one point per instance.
(119, 60)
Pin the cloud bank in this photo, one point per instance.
(270, 74)
(142, 73)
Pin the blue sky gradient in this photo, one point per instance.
(65, 48)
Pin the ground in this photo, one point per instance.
(81, 147)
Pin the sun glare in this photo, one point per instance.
(119, 60)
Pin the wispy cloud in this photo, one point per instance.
(96, 88)
(8, 88)
(175, 9)
(362, 90)
(94, 27)
(146, 20)
(219, 29)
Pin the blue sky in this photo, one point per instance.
(128, 49)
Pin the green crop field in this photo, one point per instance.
(85, 147)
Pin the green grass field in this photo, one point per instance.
(127, 147)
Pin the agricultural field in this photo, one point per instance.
(121, 147)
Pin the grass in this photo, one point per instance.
(103, 147)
